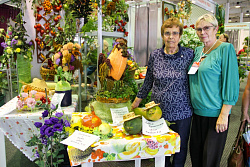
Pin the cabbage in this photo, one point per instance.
(62, 86)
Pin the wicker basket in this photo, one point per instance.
(47, 74)
(112, 100)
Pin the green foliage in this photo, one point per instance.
(242, 69)
(220, 16)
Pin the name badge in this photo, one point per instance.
(194, 68)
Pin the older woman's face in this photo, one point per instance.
(171, 36)
(206, 31)
(222, 38)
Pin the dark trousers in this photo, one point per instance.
(182, 127)
(206, 145)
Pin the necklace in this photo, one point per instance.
(172, 53)
(203, 54)
(209, 48)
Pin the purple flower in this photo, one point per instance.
(10, 33)
(59, 114)
(4, 45)
(57, 127)
(45, 113)
(72, 58)
(66, 123)
(71, 68)
(30, 43)
(38, 124)
(13, 42)
(61, 121)
(48, 122)
(58, 61)
(54, 120)
(49, 132)
(115, 43)
(42, 129)
(52, 106)
(37, 154)
(43, 140)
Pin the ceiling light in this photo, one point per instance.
(247, 13)
(237, 5)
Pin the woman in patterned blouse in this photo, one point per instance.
(167, 78)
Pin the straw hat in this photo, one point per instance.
(129, 116)
(151, 105)
(38, 85)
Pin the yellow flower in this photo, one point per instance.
(65, 68)
(65, 53)
(70, 45)
(129, 62)
(17, 50)
(19, 42)
(77, 46)
(9, 51)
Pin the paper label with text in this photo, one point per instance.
(57, 99)
(80, 140)
(117, 114)
(152, 128)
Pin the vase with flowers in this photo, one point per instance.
(66, 62)
(47, 146)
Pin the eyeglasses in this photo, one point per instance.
(167, 34)
(206, 29)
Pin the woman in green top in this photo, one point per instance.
(214, 88)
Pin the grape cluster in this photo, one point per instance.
(151, 144)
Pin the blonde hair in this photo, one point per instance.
(245, 47)
(208, 18)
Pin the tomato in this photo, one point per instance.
(36, 39)
(59, 17)
(58, 8)
(35, 26)
(38, 29)
(56, 19)
(38, 25)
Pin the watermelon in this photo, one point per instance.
(133, 126)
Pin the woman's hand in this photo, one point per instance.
(222, 121)
(136, 103)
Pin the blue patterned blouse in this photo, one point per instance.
(167, 77)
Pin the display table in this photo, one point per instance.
(122, 147)
(19, 126)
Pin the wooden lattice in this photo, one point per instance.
(45, 20)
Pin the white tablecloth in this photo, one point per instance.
(19, 126)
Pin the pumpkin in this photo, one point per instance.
(118, 63)
(154, 113)
(133, 126)
(91, 120)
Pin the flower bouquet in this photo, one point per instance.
(66, 62)
(52, 132)
(31, 101)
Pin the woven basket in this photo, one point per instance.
(47, 74)
(112, 100)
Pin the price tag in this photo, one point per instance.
(117, 114)
(80, 140)
(57, 99)
(152, 128)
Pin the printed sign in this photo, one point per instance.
(153, 128)
(80, 140)
(117, 114)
